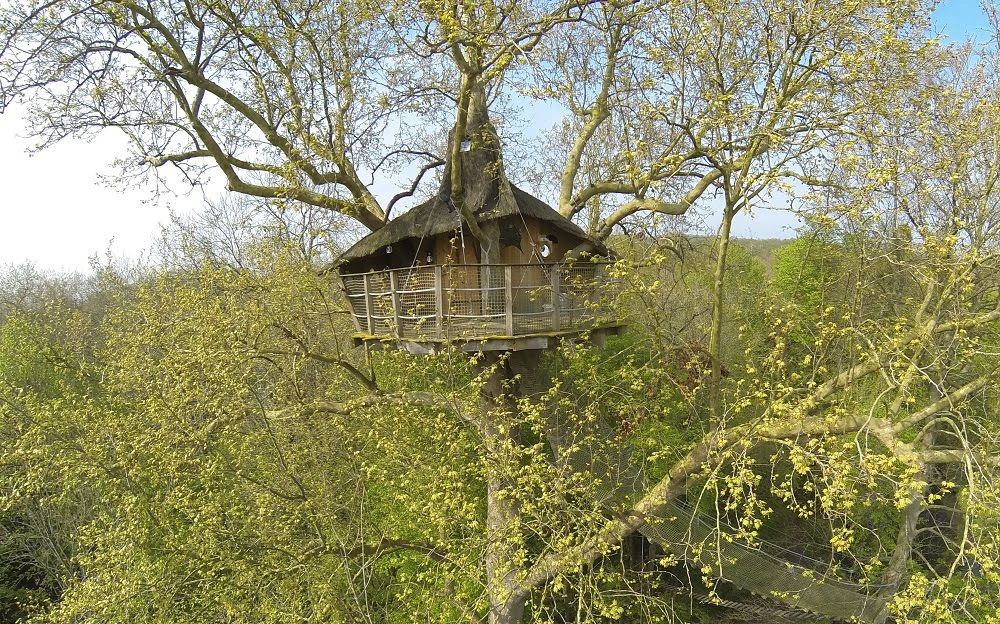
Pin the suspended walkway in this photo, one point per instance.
(757, 571)
(767, 570)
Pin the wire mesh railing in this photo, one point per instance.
(480, 301)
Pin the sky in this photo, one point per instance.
(56, 212)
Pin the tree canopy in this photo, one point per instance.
(199, 440)
(317, 102)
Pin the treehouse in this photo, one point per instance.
(424, 280)
(482, 265)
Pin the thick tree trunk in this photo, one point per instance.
(501, 439)
(491, 276)
(475, 181)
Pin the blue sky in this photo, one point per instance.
(57, 213)
(959, 19)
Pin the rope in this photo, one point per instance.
(802, 557)
(758, 609)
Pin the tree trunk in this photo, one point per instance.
(475, 181)
(715, 336)
(896, 570)
(501, 439)
(491, 276)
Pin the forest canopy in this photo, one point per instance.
(200, 439)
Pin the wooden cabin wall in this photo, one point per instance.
(448, 249)
(450, 252)
(463, 282)
(566, 241)
(531, 231)
(528, 231)
(531, 281)
(405, 254)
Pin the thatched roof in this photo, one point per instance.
(436, 216)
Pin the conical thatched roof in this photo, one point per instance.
(436, 216)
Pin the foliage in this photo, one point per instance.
(805, 272)
(201, 441)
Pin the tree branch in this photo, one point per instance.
(655, 205)
(419, 398)
(413, 187)
(388, 545)
(944, 402)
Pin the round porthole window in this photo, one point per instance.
(545, 250)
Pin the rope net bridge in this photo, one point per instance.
(813, 587)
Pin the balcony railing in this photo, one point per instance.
(462, 302)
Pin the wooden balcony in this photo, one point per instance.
(481, 307)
